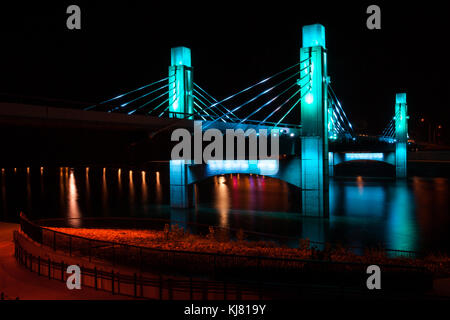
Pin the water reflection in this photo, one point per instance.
(73, 210)
(131, 187)
(401, 228)
(158, 188)
(119, 181)
(105, 192)
(411, 214)
(222, 200)
(144, 187)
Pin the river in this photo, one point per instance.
(403, 215)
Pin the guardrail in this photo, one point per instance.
(223, 267)
(203, 229)
(137, 286)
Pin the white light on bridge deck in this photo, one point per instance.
(364, 156)
(244, 166)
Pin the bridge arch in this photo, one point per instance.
(184, 175)
(342, 158)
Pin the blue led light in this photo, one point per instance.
(265, 167)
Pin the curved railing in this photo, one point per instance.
(203, 229)
(214, 265)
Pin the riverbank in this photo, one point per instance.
(220, 242)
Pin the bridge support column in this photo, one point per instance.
(401, 135)
(331, 164)
(314, 118)
(181, 193)
(180, 83)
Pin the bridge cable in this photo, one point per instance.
(256, 97)
(252, 86)
(142, 106)
(285, 115)
(212, 98)
(268, 102)
(124, 94)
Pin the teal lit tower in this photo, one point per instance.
(180, 83)
(401, 135)
(314, 120)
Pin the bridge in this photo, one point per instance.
(310, 148)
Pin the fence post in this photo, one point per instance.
(95, 278)
(224, 289)
(118, 282)
(259, 290)
(140, 259)
(142, 285)
(89, 241)
(160, 287)
(54, 241)
(258, 267)
(169, 287)
(112, 282)
(135, 285)
(113, 255)
(204, 291)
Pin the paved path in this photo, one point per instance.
(16, 281)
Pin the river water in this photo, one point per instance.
(404, 215)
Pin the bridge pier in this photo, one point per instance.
(401, 135)
(314, 118)
(331, 164)
(181, 192)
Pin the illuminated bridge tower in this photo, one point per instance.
(180, 106)
(401, 135)
(180, 83)
(314, 120)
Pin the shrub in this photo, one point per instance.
(240, 235)
(303, 244)
(176, 232)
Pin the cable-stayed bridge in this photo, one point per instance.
(297, 103)
(278, 102)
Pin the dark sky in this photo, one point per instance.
(124, 45)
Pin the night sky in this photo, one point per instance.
(122, 46)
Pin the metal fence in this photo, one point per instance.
(223, 267)
(137, 286)
(203, 229)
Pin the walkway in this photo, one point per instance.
(16, 281)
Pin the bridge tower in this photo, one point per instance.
(180, 83)
(180, 106)
(314, 120)
(401, 135)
